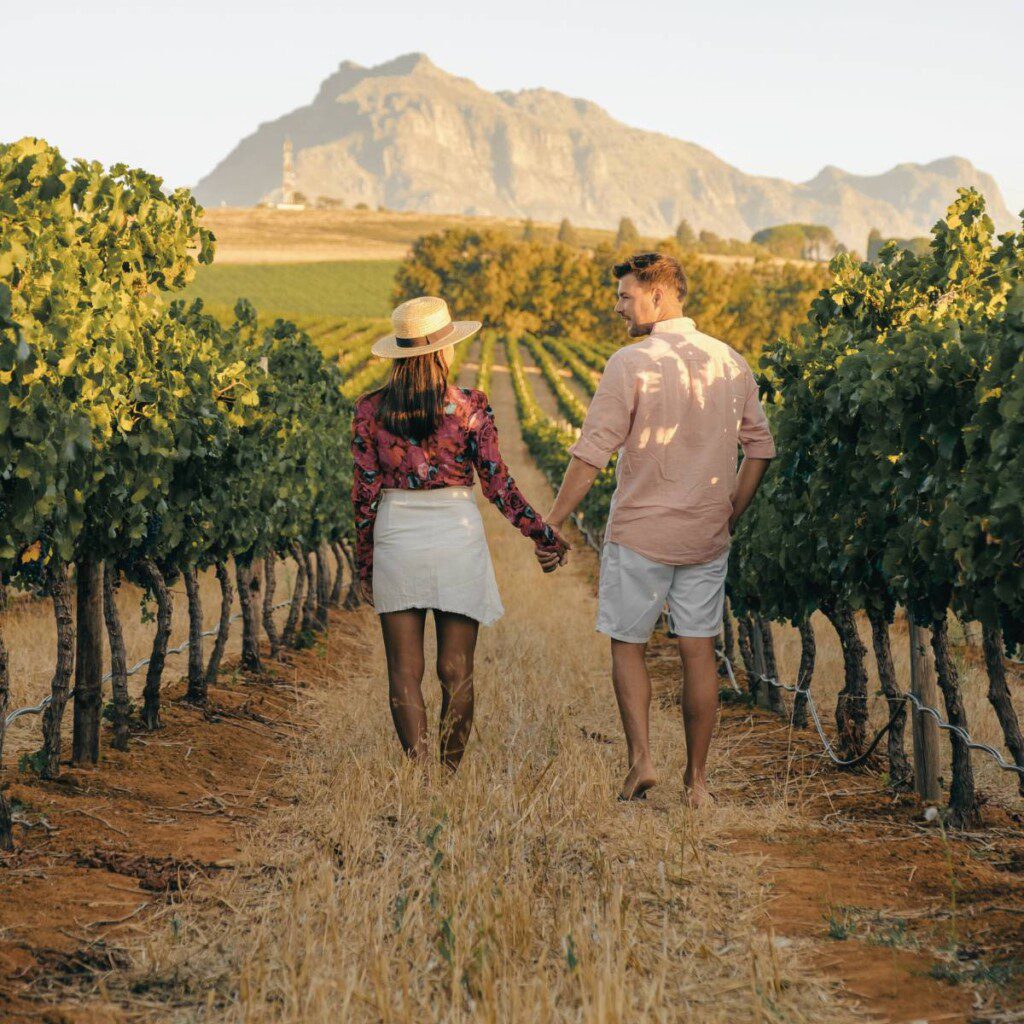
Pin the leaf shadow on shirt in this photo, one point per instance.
(685, 401)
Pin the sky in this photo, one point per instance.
(780, 88)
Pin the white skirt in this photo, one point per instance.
(429, 551)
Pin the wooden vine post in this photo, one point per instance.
(925, 728)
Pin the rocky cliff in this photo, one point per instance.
(409, 136)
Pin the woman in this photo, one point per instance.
(420, 541)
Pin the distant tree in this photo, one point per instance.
(547, 289)
(918, 246)
(361, 206)
(875, 243)
(567, 234)
(685, 235)
(798, 241)
(529, 231)
(300, 198)
(708, 241)
(627, 233)
(328, 203)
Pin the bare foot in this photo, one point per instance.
(640, 779)
(697, 795)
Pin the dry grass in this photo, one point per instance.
(519, 891)
(251, 235)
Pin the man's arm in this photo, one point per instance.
(578, 479)
(748, 479)
(604, 430)
(758, 450)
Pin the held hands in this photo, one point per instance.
(550, 559)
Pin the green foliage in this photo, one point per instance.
(549, 442)
(895, 410)
(798, 241)
(89, 363)
(131, 430)
(483, 374)
(32, 763)
(351, 288)
(573, 409)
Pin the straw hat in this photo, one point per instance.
(422, 325)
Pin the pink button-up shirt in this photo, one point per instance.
(675, 405)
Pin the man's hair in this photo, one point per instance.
(651, 268)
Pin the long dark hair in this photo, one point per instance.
(413, 398)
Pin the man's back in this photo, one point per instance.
(677, 404)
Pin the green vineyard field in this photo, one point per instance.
(330, 289)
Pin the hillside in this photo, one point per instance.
(409, 136)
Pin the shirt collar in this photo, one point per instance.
(674, 325)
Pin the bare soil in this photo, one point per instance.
(99, 850)
(918, 924)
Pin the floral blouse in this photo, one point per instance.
(466, 438)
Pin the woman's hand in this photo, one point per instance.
(551, 558)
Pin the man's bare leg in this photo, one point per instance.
(700, 711)
(633, 694)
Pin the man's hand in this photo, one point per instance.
(748, 479)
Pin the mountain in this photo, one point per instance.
(409, 136)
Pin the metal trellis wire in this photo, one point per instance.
(918, 704)
(38, 709)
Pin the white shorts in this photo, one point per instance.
(634, 590)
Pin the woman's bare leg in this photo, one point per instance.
(403, 644)
(456, 644)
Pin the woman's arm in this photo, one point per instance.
(366, 488)
(498, 485)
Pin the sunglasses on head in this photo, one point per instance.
(645, 259)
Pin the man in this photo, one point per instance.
(675, 405)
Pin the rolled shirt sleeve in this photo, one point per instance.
(610, 415)
(755, 436)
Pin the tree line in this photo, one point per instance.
(550, 289)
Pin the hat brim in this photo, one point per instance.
(388, 347)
